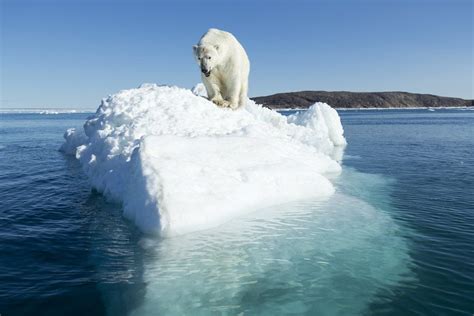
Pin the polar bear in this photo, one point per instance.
(224, 67)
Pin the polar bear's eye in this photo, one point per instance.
(209, 57)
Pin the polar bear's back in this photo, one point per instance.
(215, 36)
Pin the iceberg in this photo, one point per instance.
(178, 163)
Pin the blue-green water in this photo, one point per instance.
(397, 238)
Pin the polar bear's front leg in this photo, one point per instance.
(214, 93)
(233, 93)
(243, 93)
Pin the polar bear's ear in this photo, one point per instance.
(195, 48)
(216, 47)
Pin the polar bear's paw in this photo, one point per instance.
(222, 103)
(226, 104)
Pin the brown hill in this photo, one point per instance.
(344, 99)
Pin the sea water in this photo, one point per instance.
(395, 238)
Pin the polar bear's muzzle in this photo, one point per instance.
(206, 72)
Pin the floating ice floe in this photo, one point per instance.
(178, 163)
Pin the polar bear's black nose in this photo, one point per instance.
(206, 72)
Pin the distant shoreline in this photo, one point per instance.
(360, 100)
(381, 109)
(44, 111)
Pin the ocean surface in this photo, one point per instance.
(397, 237)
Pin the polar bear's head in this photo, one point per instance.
(207, 57)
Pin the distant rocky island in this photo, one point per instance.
(344, 99)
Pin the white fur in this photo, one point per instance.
(224, 59)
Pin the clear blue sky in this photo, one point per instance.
(72, 53)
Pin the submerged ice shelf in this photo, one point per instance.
(178, 163)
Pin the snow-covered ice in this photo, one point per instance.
(178, 163)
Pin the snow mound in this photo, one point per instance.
(178, 163)
(200, 90)
(74, 139)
